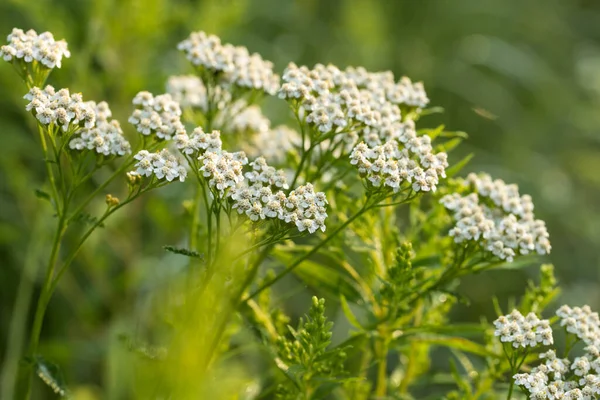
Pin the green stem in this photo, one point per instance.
(87, 234)
(45, 296)
(20, 311)
(195, 218)
(84, 204)
(49, 170)
(310, 253)
(235, 303)
(382, 350)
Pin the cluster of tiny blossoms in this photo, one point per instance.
(302, 207)
(408, 159)
(561, 378)
(161, 165)
(31, 47)
(258, 193)
(105, 137)
(496, 216)
(60, 108)
(233, 65)
(187, 90)
(523, 331)
(160, 115)
(273, 144)
(351, 101)
(582, 322)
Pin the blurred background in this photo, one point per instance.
(522, 78)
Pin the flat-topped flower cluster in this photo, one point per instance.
(352, 100)
(410, 159)
(232, 65)
(562, 378)
(258, 193)
(523, 331)
(160, 115)
(30, 47)
(494, 215)
(86, 123)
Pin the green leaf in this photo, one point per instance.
(183, 252)
(450, 145)
(454, 134)
(40, 194)
(322, 273)
(432, 110)
(456, 168)
(349, 314)
(465, 329)
(50, 374)
(460, 381)
(457, 343)
(433, 133)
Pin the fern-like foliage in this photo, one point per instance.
(313, 370)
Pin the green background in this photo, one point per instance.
(522, 78)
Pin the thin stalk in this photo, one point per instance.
(87, 234)
(195, 218)
(18, 321)
(236, 302)
(45, 296)
(322, 243)
(49, 170)
(382, 350)
(84, 204)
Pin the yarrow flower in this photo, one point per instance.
(351, 101)
(60, 108)
(273, 144)
(231, 64)
(561, 378)
(159, 115)
(105, 137)
(582, 322)
(223, 170)
(523, 331)
(497, 217)
(29, 47)
(187, 90)
(408, 159)
(161, 165)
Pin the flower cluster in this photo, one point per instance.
(408, 159)
(231, 64)
(303, 207)
(31, 47)
(250, 119)
(582, 322)
(60, 108)
(105, 137)
(497, 217)
(273, 144)
(187, 90)
(223, 170)
(160, 115)
(162, 165)
(351, 100)
(561, 378)
(258, 193)
(199, 141)
(523, 331)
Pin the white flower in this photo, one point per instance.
(160, 115)
(162, 164)
(30, 47)
(188, 91)
(506, 229)
(234, 64)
